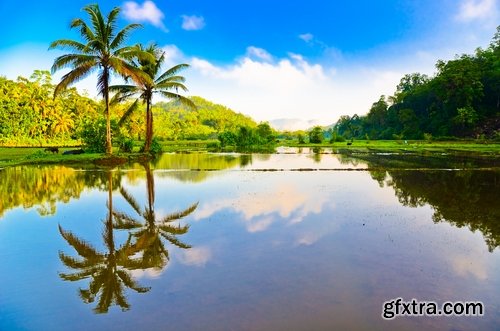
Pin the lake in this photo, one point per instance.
(298, 240)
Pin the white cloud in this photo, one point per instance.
(262, 208)
(259, 53)
(173, 55)
(290, 87)
(148, 12)
(307, 37)
(478, 10)
(191, 23)
(150, 273)
(196, 256)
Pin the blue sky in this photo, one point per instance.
(305, 62)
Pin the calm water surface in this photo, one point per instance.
(309, 241)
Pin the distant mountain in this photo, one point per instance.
(293, 124)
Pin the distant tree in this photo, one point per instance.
(316, 135)
(265, 132)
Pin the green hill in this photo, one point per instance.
(174, 121)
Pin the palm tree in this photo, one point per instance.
(100, 50)
(108, 271)
(154, 82)
(148, 235)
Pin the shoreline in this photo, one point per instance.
(16, 156)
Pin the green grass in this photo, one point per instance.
(10, 156)
(410, 147)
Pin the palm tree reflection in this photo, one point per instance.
(110, 272)
(148, 232)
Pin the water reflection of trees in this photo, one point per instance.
(463, 198)
(44, 186)
(38, 186)
(203, 165)
(110, 272)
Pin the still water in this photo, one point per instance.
(290, 241)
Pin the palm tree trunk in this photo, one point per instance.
(150, 184)
(108, 233)
(149, 127)
(109, 146)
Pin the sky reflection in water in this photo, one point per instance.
(298, 250)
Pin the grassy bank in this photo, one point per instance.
(10, 156)
(491, 149)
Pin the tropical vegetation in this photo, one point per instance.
(461, 100)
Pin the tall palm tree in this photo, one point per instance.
(102, 51)
(167, 84)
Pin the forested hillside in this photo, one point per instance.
(462, 99)
(174, 121)
(31, 116)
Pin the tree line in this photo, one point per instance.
(461, 100)
(31, 116)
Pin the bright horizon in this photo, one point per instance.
(301, 65)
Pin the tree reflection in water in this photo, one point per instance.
(110, 271)
(464, 198)
(149, 230)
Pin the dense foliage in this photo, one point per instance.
(29, 115)
(462, 100)
(176, 121)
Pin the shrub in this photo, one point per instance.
(316, 135)
(94, 136)
(227, 138)
(340, 139)
(155, 146)
(301, 139)
(126, 145)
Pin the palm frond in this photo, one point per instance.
(131, 283)
(167, 85)
(122, 93)
(75, 263)
(67, 44)
(85, 31)
(128, 112)
(122, 35)
(124, 221)
(77, 275)
(173, 79)
(74, 76)
(73, 61)
(179, 215)
(131, 200)
(174, 230)
(82, 247)
(106, 298)
(179, 98)
(125, 69)
(96, 20)
(172, 71)
(174, 241)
